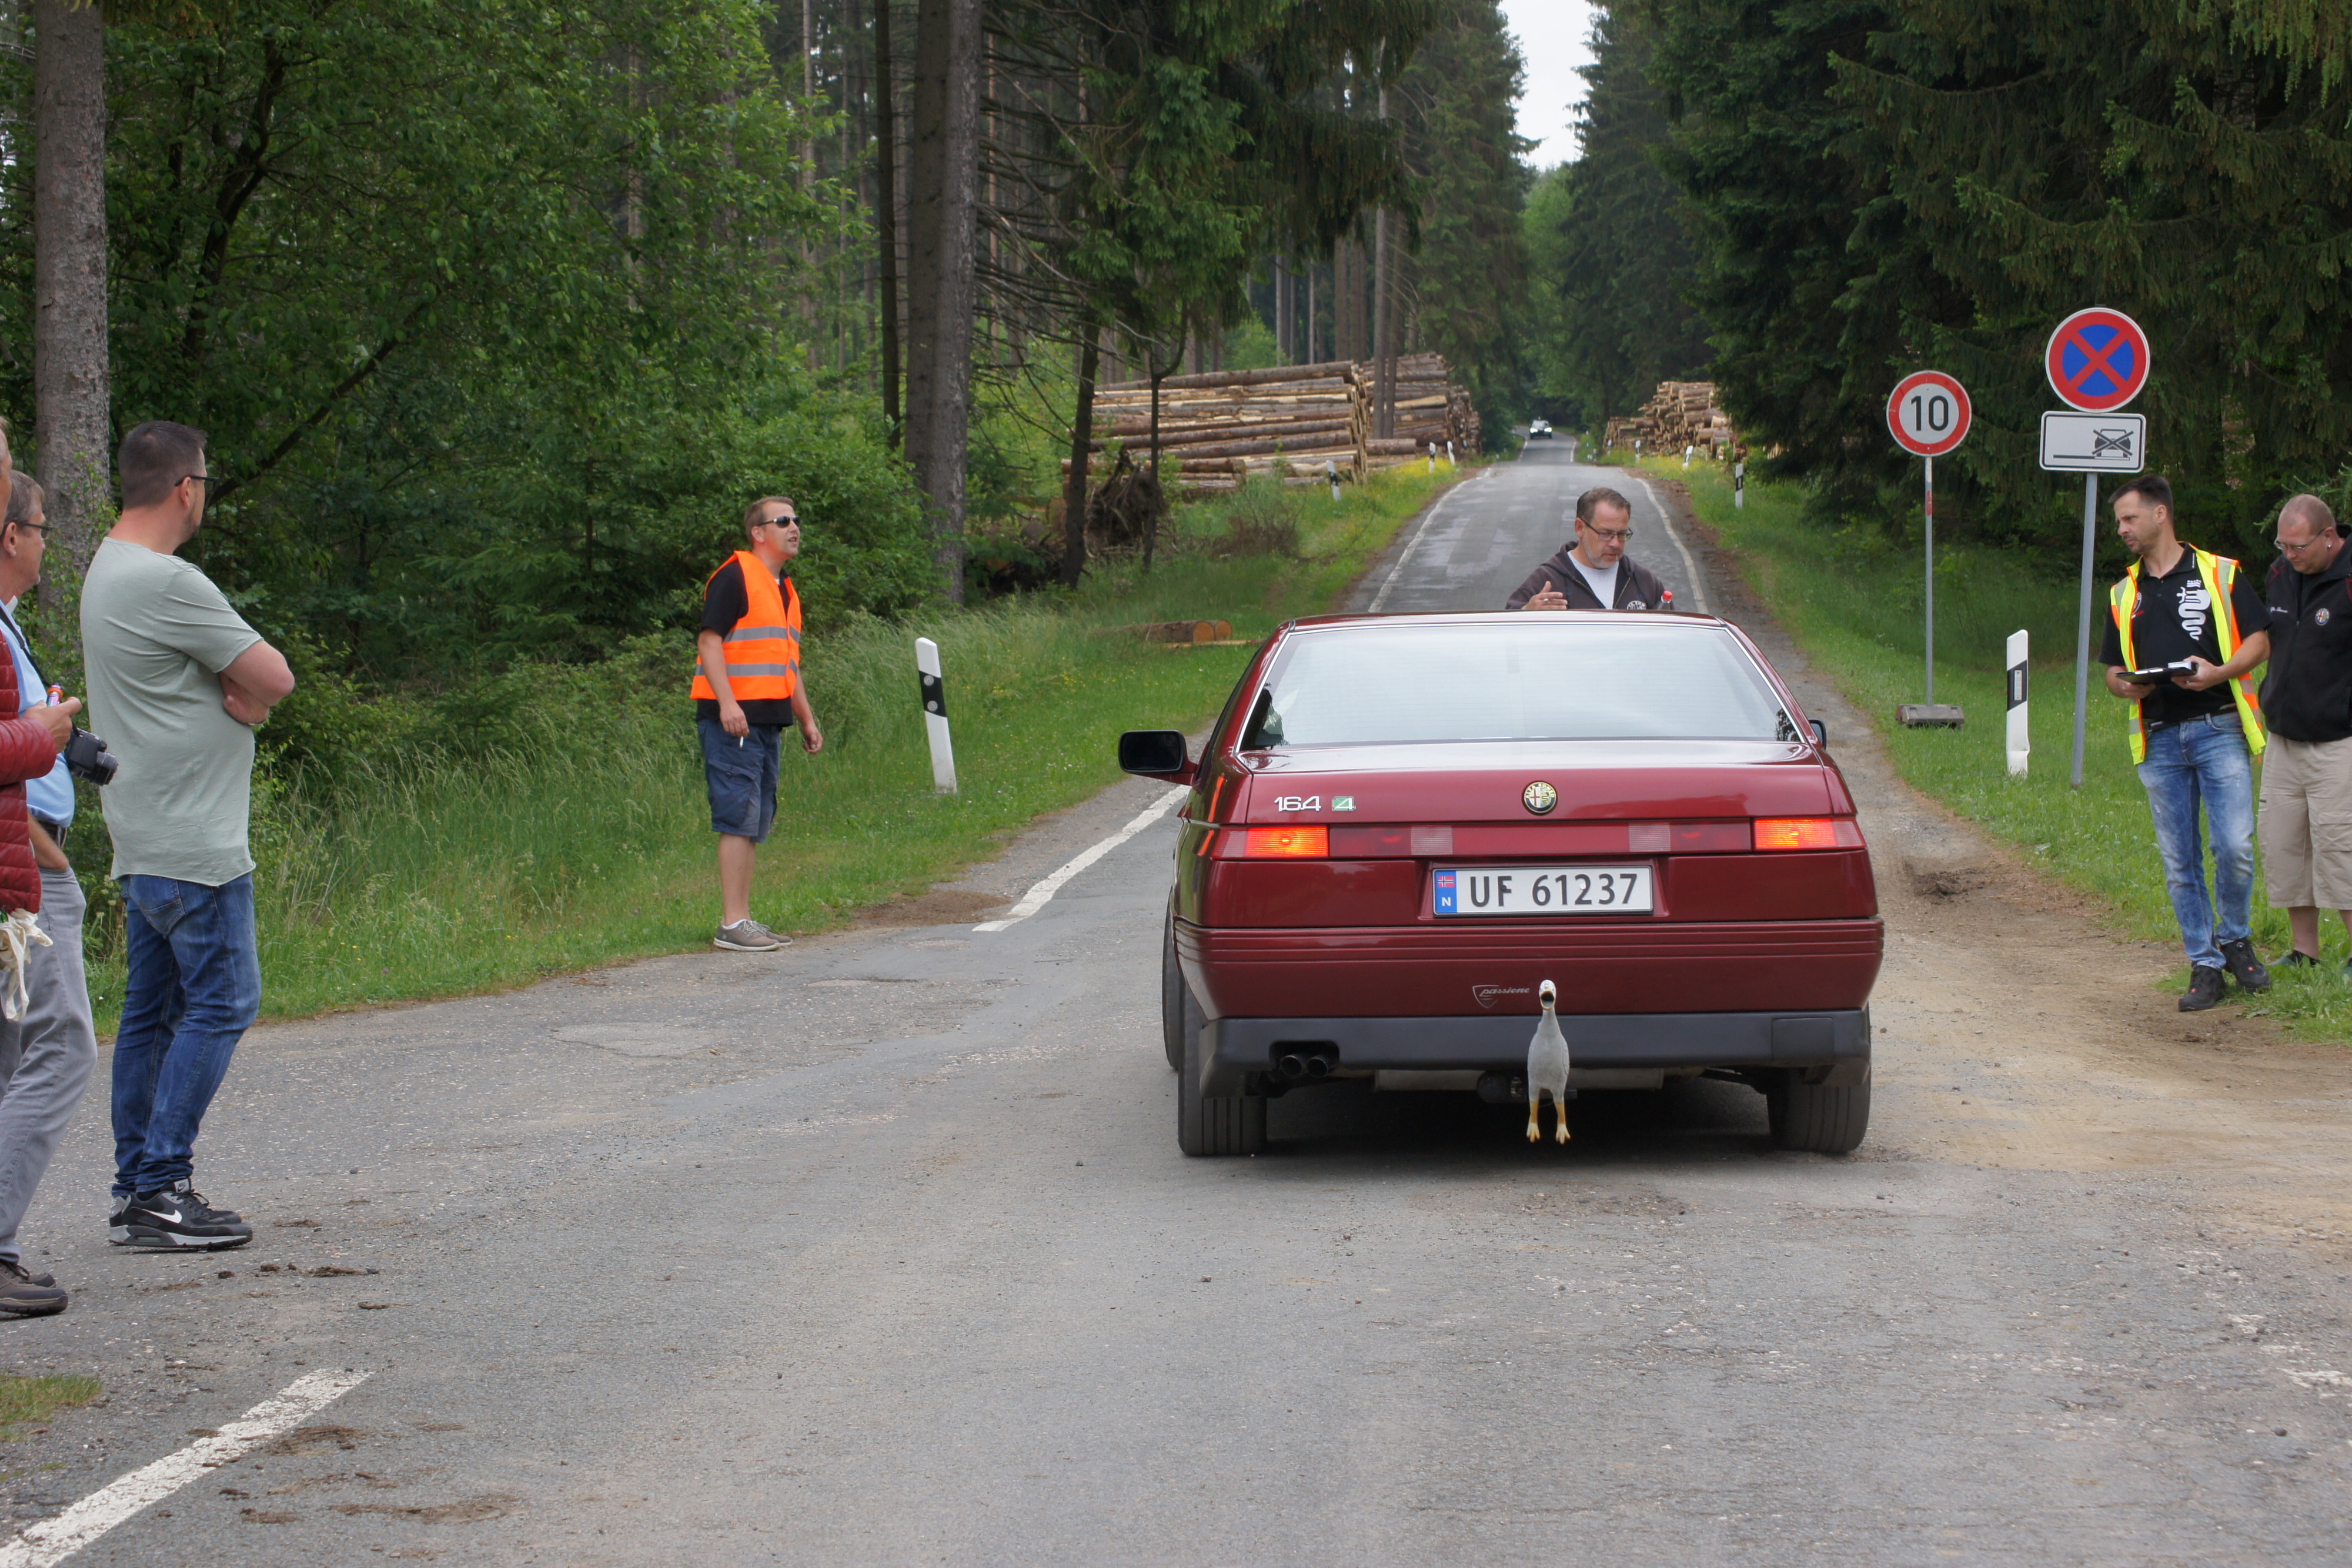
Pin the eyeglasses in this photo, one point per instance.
(2314, 543)
(1614, 536)
(199, 478)
(777, 522)
(37, 527)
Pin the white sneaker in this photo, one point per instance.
(748, 936)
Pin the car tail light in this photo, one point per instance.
(1807, 833)
(1287, 843)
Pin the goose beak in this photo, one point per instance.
(1547, 994)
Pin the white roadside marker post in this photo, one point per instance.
(1454, 462)
(1432, 456)
(1331, 468)
(2020, 734)
(934, 715)
(1688, 452)
(1740, 487)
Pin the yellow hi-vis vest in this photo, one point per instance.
(2220, 575)
(763, 650)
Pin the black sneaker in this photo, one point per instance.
(117, 1231)
(2244, 968)
(2295, 958)
(2204, 989)
(180, 1218)
(28, 1295)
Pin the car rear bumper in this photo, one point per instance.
(1431, 972)
(1235, 1048)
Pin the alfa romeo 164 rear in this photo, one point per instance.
(1402, 825)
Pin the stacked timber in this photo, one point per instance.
(1425, 410)
(1219, 426)
(1680, 414)
(1299, 421)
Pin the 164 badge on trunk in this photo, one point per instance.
(1540, 889)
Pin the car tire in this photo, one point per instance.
(1212, 1124)
(1815, 1118)
(1172, 998)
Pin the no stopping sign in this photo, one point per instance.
(1928, 413)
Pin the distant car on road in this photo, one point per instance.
(1404, 825)
(1539, 428)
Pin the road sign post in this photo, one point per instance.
(1928, 414)
(2097, 360)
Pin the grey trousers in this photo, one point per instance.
(46, 1056)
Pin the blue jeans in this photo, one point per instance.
(195, 988)
(2204, 759)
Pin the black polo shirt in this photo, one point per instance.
(2307, 694)
(2173, 620)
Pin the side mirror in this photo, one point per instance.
(1155, 754)
(1821, 732)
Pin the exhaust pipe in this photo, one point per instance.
(1318, 1066)
(1292, 1066)
(1297, 1065)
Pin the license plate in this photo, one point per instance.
(1541, 890)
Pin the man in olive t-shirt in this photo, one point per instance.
(178, 680)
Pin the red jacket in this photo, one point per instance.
(26, 752)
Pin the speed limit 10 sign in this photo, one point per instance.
(1928, 413)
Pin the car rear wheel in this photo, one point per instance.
(1817, 1118)
(1172, 998)
(1212, 1124)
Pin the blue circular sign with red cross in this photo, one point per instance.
(2098, 360)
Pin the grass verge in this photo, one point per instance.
(570, 828)
(1853, 599)
(26, 1400)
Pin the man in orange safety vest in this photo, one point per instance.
(748, 690)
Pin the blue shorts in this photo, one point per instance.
(741, 773)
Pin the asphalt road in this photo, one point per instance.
(1475, 548)
(880, 1251)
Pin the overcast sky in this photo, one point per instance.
(1552, 35)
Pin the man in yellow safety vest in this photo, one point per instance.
(2190, 625)
(748, 690)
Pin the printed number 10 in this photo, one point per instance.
(1938, 413)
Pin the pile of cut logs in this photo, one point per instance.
(1681, 414)
(1430, 410)
(1302, 422)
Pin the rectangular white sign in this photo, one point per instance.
(2094, 443)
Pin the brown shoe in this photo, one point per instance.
(28, 1295)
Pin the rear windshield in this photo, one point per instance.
(1544, 678)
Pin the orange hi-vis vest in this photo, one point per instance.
(763, 650)
(2220, 575)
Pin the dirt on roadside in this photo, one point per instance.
(2017, 1029)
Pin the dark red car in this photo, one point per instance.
(1402, 825)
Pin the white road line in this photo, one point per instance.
(1690, 567)
(1381, 598)
(54, 1540)
(1039, 896)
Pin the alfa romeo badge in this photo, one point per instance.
(1539, 796)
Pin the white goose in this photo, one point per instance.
(1547, 1069)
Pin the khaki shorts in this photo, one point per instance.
(2307, 823)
